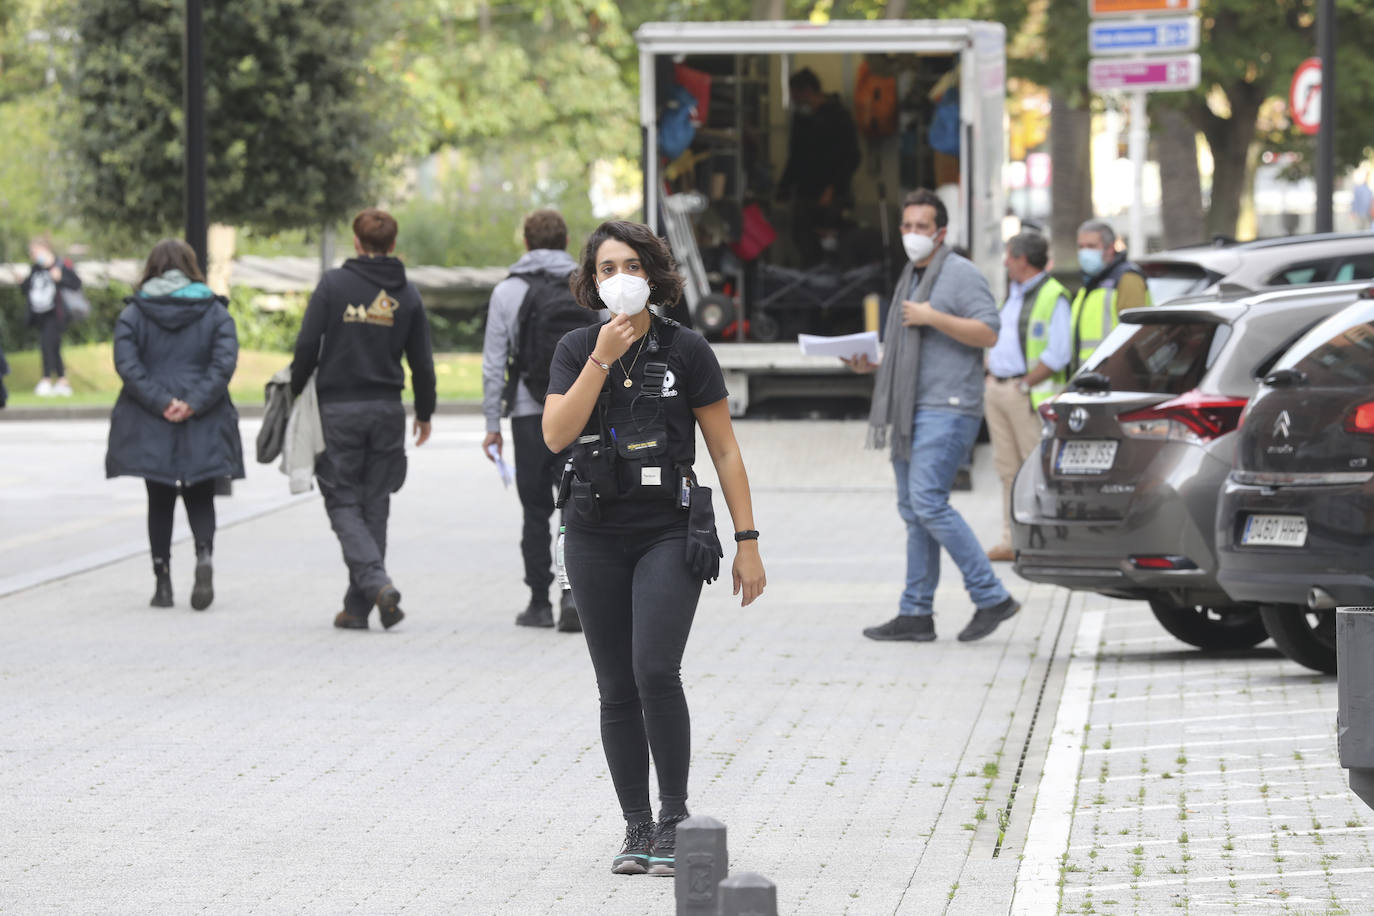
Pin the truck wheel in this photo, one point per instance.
(1223, 627)
(1307, 637)
(764, 327)
(714, 311)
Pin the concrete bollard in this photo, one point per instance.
(748, 894)
(1355, 697)
(702, 863)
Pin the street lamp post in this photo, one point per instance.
(1326, 133)
(194, 66)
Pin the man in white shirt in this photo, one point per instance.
(1026, 366)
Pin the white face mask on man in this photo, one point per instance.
(918, 246)
(624, 294)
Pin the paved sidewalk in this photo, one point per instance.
(253, 759)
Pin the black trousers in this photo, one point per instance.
(50, 328)
(536, 480)
(637, 598)
(199, 500)
(364, 462)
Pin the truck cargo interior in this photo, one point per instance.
(795, 210)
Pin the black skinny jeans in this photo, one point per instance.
(200, 512)
(637, 598)
(536, 478)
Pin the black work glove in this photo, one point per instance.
(703, 547)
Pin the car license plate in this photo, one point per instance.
(1086, 456)
(1274, 531)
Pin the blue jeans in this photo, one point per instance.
(939, 443)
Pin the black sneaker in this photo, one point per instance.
(633, 857)
(537, 614)
(663, 849)
(389, 607)
(909, 627)
(568, 621)
(963, 480)
(986, 619)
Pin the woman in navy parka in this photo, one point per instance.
(175, 347)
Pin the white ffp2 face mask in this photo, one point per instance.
(918, 247)
(624, 294)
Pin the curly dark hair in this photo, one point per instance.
(665, 283)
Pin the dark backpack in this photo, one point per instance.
(547, 312)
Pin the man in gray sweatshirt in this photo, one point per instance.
(536, 289)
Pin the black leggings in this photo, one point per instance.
(636, 599)
(50, 329)
(200, 512)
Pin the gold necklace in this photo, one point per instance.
(628, 383)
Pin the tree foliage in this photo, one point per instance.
(294, 125)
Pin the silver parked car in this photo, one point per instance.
(1121, 496)
(1263, 264)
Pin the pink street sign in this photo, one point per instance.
(1153, 74)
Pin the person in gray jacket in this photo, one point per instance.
(927, 407)
(528, 313)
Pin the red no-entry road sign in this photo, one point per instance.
(1305, 96)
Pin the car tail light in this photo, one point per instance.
(1191, 417)
(1166, 561)
(1361, 419)
(1048, 417)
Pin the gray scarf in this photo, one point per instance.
(893, 413)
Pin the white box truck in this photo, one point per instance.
(755, 278)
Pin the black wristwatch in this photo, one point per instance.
(746, 536)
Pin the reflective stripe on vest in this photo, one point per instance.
(1037, 339)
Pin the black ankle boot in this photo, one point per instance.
(203, 592)
(162, 595)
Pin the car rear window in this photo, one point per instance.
(1336, 270)
(1159, 358)
(1338, 352)
(1172, 279)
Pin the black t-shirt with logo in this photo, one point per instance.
(693, 380)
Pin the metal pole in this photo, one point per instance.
(1326, 134)
(194, 60)
(1138, 138)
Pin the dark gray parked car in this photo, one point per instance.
(1295, 522)
(1121, 496)
(1262, 264)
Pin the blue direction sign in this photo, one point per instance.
(1143, 36)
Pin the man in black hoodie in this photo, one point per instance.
(360, 320)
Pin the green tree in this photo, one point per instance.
(294, 123)
(516, 104)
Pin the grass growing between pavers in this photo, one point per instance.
(90, 369)
(1232, 767)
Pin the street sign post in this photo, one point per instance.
(1151, 36)
(1138, 7)
(1152, 74)
(1157, 43)
(1305, 96)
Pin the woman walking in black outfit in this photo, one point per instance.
(176, 348)
(627, 396)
